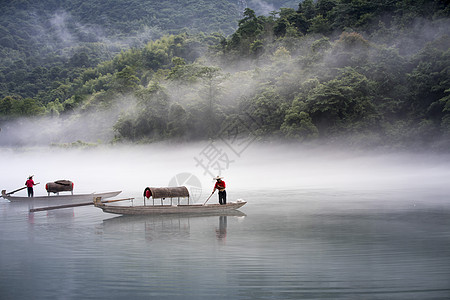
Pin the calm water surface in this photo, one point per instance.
(285, 244)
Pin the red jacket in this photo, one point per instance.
(220, 185)
(29, 183)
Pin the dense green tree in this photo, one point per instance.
(343, 104)
(352, 49)
(268, 109)
(177, 123)
(298, 124)
(249, 30)
(307, 8)
(126, 79)
(6, 105)
(429, 81)
(54, 108)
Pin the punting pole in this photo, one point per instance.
(22, 188)
(208, 198)
(74, 205)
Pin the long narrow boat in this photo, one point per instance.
(60, 198)
(168, 209)
(167, 193)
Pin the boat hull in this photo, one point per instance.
(62, 198)
(170, 209)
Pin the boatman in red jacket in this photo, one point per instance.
(220, 185)
(30, 183)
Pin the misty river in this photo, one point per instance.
(319, 224)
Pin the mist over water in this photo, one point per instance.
(263, 166)
(320, 223)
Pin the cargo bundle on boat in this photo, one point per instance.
(59, 186)
(167, 193)
(162, 193)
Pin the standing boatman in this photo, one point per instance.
(220, 185)
(30, 183)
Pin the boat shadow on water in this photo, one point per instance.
(168, 227)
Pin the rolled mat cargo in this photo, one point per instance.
(166, 192)
(59, 186)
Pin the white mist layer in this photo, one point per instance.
(258, 168)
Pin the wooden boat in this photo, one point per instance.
(167, 193)
(60, 198)
(169, 209)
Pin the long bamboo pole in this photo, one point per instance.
(208, 198)
(74, 205)
(19, 190)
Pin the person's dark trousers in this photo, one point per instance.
(223, 197)
(30, 192)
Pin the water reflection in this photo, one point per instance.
(151, 227)
(313, 245)
(221, 232)
(168, 227)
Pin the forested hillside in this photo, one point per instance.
(364, 72)
(49, 41)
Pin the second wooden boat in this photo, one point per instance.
(60, 198)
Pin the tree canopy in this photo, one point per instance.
(372, 72)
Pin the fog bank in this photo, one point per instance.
(259, 167)
(44, 131)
